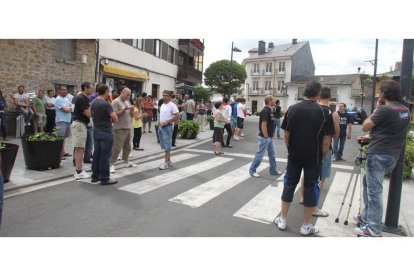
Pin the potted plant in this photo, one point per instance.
(42, 151)
(210, 120)
(8, 155)
(188, 129)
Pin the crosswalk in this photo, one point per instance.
(262, 208)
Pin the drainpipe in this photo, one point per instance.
(97, 60)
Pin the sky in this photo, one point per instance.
(331, 56)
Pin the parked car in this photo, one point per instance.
(358, 115)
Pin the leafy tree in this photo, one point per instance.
(225, 77)
(201, 93)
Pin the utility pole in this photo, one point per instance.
(375, 77)
(395, 188)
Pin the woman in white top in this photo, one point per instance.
(50, 111)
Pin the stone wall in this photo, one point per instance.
(33, 63)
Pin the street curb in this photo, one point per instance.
(42, 181)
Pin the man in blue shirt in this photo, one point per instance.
(63, 115)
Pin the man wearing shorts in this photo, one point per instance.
(169, 116)
(81, 119)
(241, 108)
(305, 119)
(63, 115)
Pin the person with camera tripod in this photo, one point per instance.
(388, 125)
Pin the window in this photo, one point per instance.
(301, 91)
(255, 85)
(170, 57)
(128, 41)
(65, 49)
(269, 67)
(282, 66)
(157, 48)
(268, 85)
(256, 68)
(137, 43)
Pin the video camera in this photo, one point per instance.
(365, 140)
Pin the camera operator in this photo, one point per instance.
(388, 125)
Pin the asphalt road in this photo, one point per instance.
(202, 196)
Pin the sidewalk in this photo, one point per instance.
(22, 177)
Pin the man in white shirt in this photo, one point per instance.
(190, 108)
(241, 109)
(169, 116)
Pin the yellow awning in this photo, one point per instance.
(122, 72)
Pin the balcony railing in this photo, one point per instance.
(267, 73)
(356, 93)
(189, 74)
(255, 73)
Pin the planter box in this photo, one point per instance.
(42, 155)
(8, 156)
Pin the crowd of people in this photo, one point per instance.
(314, 137)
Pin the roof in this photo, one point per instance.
(396, 73)
(326, 79)
(277, 51)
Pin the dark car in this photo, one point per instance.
(358, 115)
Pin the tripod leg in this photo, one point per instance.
(343, 200)
(352, 198)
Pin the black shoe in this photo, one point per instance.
(174, 145)
(229, 146)
(94, 180)
(88, 162)
(109, 182)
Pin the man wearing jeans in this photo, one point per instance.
(169, 116)
(103, 116)
(278, 114)
(266, 133)
(345, 122)
(388, 125)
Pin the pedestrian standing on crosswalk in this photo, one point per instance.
(169, 116)
(219, 122)
(308, 130)
(265, 138)
(388, 125)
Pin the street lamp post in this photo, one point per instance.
(233, 49)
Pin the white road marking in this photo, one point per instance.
(211, 189)
(265, 206)
(144, 166)
(249, 156)
(164, 179)
(332, 204)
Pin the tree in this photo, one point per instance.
(225, 77)
(201, 93)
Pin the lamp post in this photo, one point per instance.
(233, 49)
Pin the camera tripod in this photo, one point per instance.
(357, 178)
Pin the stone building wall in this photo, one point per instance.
(33, 63)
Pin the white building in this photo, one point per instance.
(344, 89)
(269, 69)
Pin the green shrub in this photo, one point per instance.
(409, 156)
(188, 129)
(210, 118)
(44, 136)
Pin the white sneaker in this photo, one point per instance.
(170, 164)
(119, 157)
(164, 166)
(82, 175)
(242, 134)
(254, 174)
(280, 223)
(112, 169)
(236, 138)
(308, 230)
(130, 165)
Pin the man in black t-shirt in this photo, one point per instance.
(266, 133)
(277, 110)
(308, 129)
(81, 118)
(103, 116)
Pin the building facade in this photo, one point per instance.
(344, 89)
(270, 68)
(45, 63)
(149, 65)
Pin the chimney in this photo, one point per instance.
(271, 45)
(295, 41)
(262, 47)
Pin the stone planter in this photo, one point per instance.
(8, 156)
(42, 155)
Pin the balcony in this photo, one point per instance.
(260, 92)
(267, 73)
(355, 93)
(254, 73)
(280, 74)
(189, 74)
